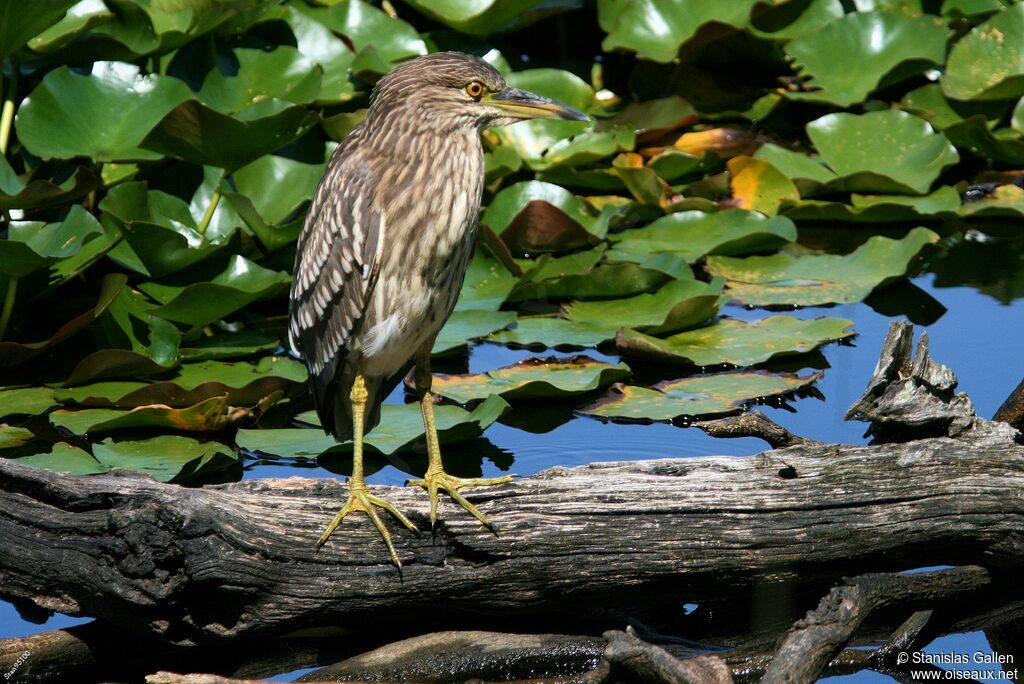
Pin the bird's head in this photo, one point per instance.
(447, 89)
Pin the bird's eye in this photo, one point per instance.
(475, 89)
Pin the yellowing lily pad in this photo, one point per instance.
(211, 415)
(242, 383)
(988, 63)
(700, 396)
(817, 279)
(400, 429)
(534, 378)
(737, 343)
(759, 186)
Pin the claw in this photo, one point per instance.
(360, 499)
(438, 480)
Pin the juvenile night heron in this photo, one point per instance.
(384, 250)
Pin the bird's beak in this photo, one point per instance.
(522, 104)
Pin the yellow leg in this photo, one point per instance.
(359, 496)
(436, 478)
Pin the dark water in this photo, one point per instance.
(979, 337)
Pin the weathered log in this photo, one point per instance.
(200, 565)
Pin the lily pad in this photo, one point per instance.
(65, 458)
(889, 46)
(26, 401)
(887, 151)
(759, 186)
(694, 234)
(73, 104)
(988, 63)
(464, 326)
(400, 429)
(943, 203)
(487, 284)
(554, 333)
(282, 73)
(240, 382)
(17, 26)
(533, 378)
(197, 133)
(585, 276)
(700, 396)
(534, 216)
(168, 458)
(230, 345)
(278, 186)
(42, 192)
(817, 279)
(738, 343)
(483, 17)
(242, 283)
(679, 305)
(547, 144)
(12, 436)
(212, 415)
(655, 29)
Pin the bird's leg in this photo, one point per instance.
(359, 496)
(436, 478)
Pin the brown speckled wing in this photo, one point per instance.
(335, 267)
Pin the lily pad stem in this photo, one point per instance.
(210, 208)
(5, 317)
(7, 117)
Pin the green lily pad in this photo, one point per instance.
(400, 429)
(533, 378)
(211, 415)
(371, 30)
(159, 228)
(988, 63)
(464, 326)
(584, 276)
(197, 133)
(943, 203)
(817, 279)
(729, 341)
(679, 305)
(545, 144)
(487, 284)
(533, 217)
(243, 384)
(887, 44)
(79, 18)
(887, 151)
(12, 436)
(655, 29)
(65, 458)
(1005, 201)
(278, 186)
(694, 234)
(26, 401)
(701, 396)
(74, 103)
(482, 17)
(230, 345)
(653, 118)
(282, 73)
(317, 42)
(18, 26)
(554, 333)
(242, 283)
(42, 192)
(168, 458)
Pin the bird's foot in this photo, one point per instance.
(436, 480)
(360, 499)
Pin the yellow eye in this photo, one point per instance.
(475, 89)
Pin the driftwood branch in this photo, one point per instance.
(239, 560)
(753, 424)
